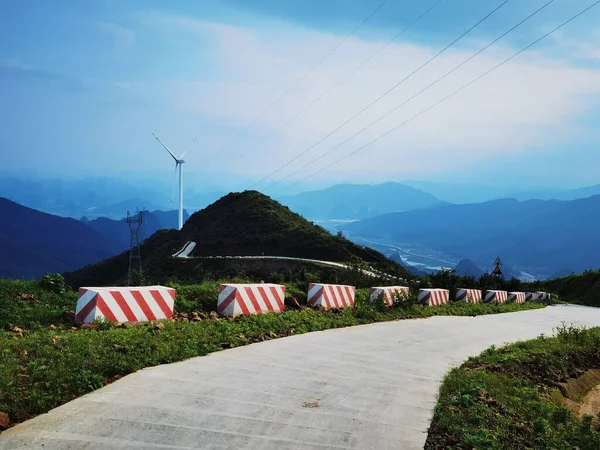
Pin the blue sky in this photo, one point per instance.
(84, 84)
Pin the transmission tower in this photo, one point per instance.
(136, 223)
(497, 263)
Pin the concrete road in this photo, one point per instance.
(367, 387)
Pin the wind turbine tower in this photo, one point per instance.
(178, 168)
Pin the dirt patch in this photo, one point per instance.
(582, 395)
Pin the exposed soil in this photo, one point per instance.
(582, 395)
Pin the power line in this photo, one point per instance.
(445, 98)
(333, 87)
(393, 87)
(414, 96)
(338, 45)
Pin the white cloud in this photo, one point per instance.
(123, 37)
(531, 102)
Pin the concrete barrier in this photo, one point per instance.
(499, 297)
(390, 293)
(330, 295)
(244, 299)
(434, 297)
(124, 304)
(517, 297)
(469, 295)
(542, 295)
(529, 296)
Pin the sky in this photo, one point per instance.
(84, 84)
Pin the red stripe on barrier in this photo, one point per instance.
(160, 301)
(253, 300)
(313, 300)
(137, 295)
(122, 303)
(340, 300)
(327, 296)
(105, 310)
(240, 301)
(263, 293)
(172, 294)
(275, 291)
(86, 310)
(225, 303)
(350, 293)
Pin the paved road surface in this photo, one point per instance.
(367, 387)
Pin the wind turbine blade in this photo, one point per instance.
(166, 148)
(182, 155)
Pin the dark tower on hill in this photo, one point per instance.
(136, 226)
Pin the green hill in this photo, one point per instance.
(239, 224)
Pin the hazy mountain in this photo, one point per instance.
(536, 236)
(33, 243)
(462, 193)
(169, 219)
(468, 268)
(354, 201)
(247, 223)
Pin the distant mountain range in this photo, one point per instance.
(239, 224)
(33, 243)
(539, 237)
(461, 193)
(356, 201)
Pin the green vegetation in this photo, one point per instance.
(581, 288)
(44, 362)
(239, 224)
(508, 398)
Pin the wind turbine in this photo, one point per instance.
(178, 167)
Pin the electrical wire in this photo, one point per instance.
(276, 102)
(335, 130)
(331, 89)
(323, 155)
(445, 98)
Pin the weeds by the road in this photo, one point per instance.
(507, 398)
(44, 362)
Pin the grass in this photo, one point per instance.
(503, 399)
(45, 367)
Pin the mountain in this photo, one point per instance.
(239, 224)
(168, 219)
(468, 268)
(355, 201)
(33, 243)
(539, 237)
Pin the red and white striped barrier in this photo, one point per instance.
(517, 297)
(468, 295)
(542, 295)
(390, 293)
(529, 296)
(124, 304)
(434, 297)
(238, 299)
(499, 297)
(330, 295)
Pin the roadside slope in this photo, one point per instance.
(370, 386)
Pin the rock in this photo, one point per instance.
(292, 303)
(196, 314)
(159, 326)
(227, 345)
(18, 331)
(4, 421)
(213, 315)
(27, 297)
(52, 327)
(272, 335)
(55, 339)
(242, 336)
(88, 326)
(69, 315)
(74, 329)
